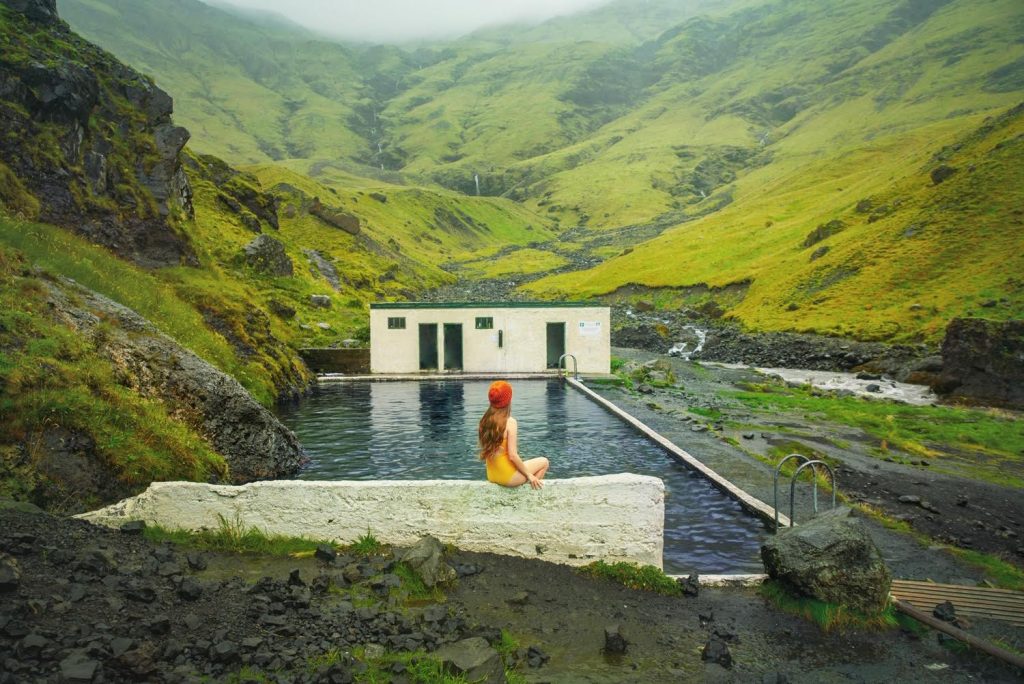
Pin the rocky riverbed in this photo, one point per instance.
(85, 604)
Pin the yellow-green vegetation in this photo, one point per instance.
(784, 150)
(366, 545)
(163, 297)
(985, 444)
(643, 577)
(56, 387)
(517, 262)
(404, 235)
(233, 536)
(828, 616)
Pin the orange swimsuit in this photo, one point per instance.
(500, 469)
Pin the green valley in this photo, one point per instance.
(691, 144)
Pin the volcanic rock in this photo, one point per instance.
(831, 558)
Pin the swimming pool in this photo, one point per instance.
(427, 430)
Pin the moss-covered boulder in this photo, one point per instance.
(832, 559)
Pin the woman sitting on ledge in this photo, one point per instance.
(499, 446)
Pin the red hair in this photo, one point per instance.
(491, 431)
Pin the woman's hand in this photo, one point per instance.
(534, 482)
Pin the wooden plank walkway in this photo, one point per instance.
(1004, 605)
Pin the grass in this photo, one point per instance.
(645, 577)
(366, 545)
(827, 616)
(415, 589)
(997, 571)
(232, 536)
(984, 444)
(55, 382)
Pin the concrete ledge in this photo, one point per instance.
(751, 503)
(573, 521)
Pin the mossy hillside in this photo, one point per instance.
(405, 235)
(914, 256)
(429, 226)
(56, 386)
(70, 101)
(247, 93)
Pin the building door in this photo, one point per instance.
(453, 346)
(428, 346)
(556, 343)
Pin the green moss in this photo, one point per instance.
(643, 577)
(984, 444)
(231, 535)
(15, 199)
(53, 379)
(827, 616)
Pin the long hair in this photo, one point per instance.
(491, 431)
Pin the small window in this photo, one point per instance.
(484, 323)
(396, 323)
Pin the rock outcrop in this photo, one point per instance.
(113, 177)
(267, 255)
(253, 442)
(831, 558)
(983, 362)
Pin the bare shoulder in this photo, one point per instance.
(512, 424)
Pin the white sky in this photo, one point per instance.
(401, 20)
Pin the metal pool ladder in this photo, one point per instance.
(575, 366)
(807, 463)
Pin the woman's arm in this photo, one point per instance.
(513, 453)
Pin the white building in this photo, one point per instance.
(493, 337)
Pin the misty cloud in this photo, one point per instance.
(404, 20)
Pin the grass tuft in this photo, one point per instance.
(643, 577)
(233, 536)
(828, 616)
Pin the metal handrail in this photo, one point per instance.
(792, 485)
(575, 366)
(775, 487)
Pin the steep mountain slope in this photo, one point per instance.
(735, 134)
(139, 338)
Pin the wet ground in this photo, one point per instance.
(95, 604)
(566, 617)
(952, 510)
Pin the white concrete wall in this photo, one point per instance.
(573, 521)
(524, 343)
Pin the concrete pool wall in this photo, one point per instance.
(572, 521)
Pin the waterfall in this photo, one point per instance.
(476, 178)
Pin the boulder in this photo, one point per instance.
(983, 362)
(252, 440)
(473, 659)
(831, 558)
(267, 255)
(335, 217)
(426, 558)
(322, 301)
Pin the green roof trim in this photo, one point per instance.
(484, 305)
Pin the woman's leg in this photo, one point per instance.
(537, 466)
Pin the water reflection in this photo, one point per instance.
(427, 430)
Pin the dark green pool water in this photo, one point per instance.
(427, 430)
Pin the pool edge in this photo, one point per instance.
(745, 499)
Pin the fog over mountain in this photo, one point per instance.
(395, 21)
